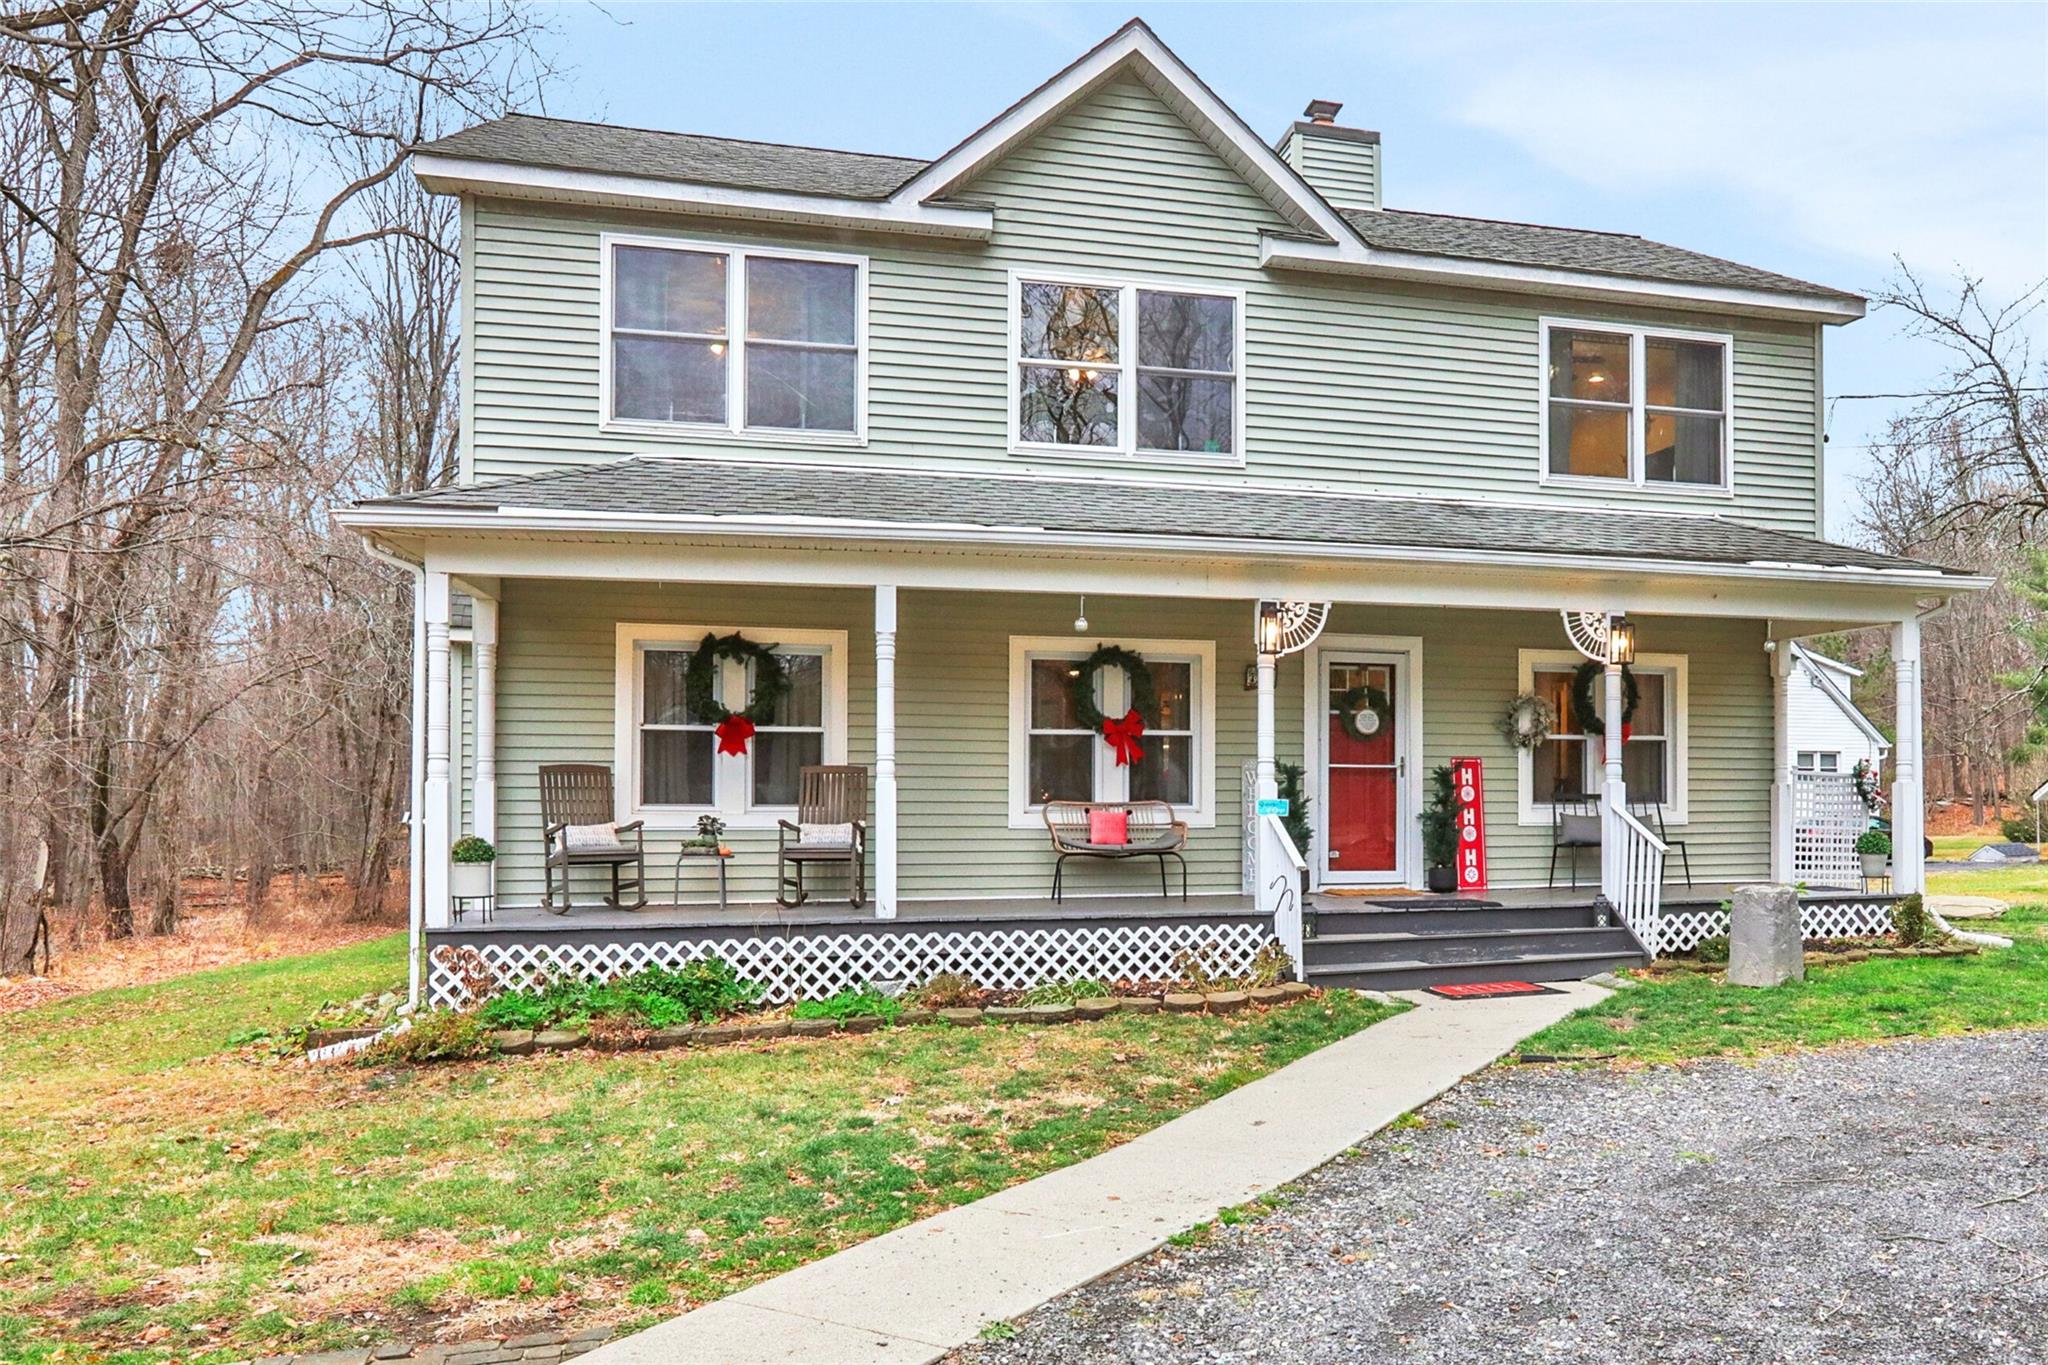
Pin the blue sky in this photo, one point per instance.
(1815, 140)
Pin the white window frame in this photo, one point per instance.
(1676, 669)
(1126, 367)
(1808, 761)
(1110, 780)
(1639, 337)
(732, 775)
(735, 425)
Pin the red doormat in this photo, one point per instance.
(1491, 990)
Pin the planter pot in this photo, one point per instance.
(469, 879)
(1875, 864)
(1443, 879)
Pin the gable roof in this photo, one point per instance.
(797, 499)
(1825, 684)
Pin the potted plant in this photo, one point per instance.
(1440, 831)
(470, 874)
(710, 832)
(1874, 849)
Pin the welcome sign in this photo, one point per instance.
(1468, 784)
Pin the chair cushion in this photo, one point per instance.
(825, 836)
(1582, 830)
(592, 838)
(1109, 828)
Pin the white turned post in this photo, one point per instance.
(1909, 815)
(1269, 780)
(416, 776)
(1613, 790)
(1784, 795)
(483, 806)
(885, 751)
(434, 797)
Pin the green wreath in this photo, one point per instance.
(1143, 699)
(1583, 714)
(1364, 695)
(771, 684)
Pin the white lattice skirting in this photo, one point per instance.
(814, 966)
(1681, 930)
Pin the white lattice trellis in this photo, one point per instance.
(1827, 817)
(1682, 930)
(812, 966)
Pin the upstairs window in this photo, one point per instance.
(676, 358)
(1153, 373)
(1635, 406)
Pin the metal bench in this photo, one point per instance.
(1153, 831)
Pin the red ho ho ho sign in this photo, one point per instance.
(1468, 784)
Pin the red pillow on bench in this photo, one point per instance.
(1109, 827)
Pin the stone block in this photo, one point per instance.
(1296, 989)
(558, 1040)
(765, 1028)
(532, 1339)
(1180, 1002)
(812, 1028)
(353, 1356)
(863, 1023)
(1268, 996)
(513, 1042)
(1050, 1014)
(1225, 1002)
(1006, 1014)
(1099, 1008)
(391, 1350)
(966, 1018)
(1764, 944)
(1137, 1004)
(915, 1015)
(328, 1037)
(677, 1035)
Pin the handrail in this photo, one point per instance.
(1278, 891)
(1641, 856)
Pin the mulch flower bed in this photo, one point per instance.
(1833, 953)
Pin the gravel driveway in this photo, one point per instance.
(1871, 1204)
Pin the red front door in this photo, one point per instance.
(1363, 770)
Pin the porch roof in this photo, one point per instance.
(679, 494)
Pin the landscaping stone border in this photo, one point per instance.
(1668, 965)
(534, 1348)
(523, 1042)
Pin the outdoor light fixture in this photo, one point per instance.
(1621, 640)
(1081, 620)
(1272, 630)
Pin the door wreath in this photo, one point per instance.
(1119, 732)
(1365, 711)
(771, 684)
(1583, 714)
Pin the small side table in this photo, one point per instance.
(485, 906)
(699, 851)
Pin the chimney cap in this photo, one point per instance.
(1322, 111)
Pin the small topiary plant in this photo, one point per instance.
(470, 849)
(1874, 842)
(1911, 921)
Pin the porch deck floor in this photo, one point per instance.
(769, 915)
(1557, 897)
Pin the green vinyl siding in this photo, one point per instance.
(556, 704)
(1350, 385)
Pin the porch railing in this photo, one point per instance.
(1641, 857)
(1827, 817)
(1279, 890)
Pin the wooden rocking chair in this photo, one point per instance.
(831, 827)
(575, 796)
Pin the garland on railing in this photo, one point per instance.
(1865, 778)
(771, 684)
(1585, 717)
(1121, 733)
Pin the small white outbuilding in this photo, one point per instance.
(1829, 735)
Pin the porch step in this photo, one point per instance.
(1400, 976)
(1330, 923)
(1445, 947)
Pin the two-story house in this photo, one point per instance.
(1116, 412)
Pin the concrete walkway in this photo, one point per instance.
(915, 1293)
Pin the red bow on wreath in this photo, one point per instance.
(1123, 737)
(733, 733)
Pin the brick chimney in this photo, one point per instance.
(1342, 163)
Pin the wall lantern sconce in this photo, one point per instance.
(1621, 640)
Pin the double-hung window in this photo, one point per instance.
(1053, 758)
(733, 340)
(667, 752)
(1153, 372)
(1634, 405)
(1571, 762)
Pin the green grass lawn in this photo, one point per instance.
(2026, 883)
(1676, 1016)
(171, 1196)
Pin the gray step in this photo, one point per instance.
(1330, 923)
(1402, 976)
(1474, 945)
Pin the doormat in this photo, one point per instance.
(1490, 990)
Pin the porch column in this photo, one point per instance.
(483, 809)
(885, 750)
(415, 776)
(1784, 796)
(1909, 815)
(434, 798)
(1269, 779)
(1613, 790)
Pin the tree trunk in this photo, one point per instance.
(163, 920)
(113, 871)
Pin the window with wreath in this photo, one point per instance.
(1143, 370)
(1570, 763)
(670, 748)
(1635, 405)
(1059, 756)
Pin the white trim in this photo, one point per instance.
(1023, 814)
(1677, 735)
(1136, 46)
(735, 427)
(1126, 450)
(731, 788)
(510, 180)
(1342, 257)
(1638, 405)
(1409, 711)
